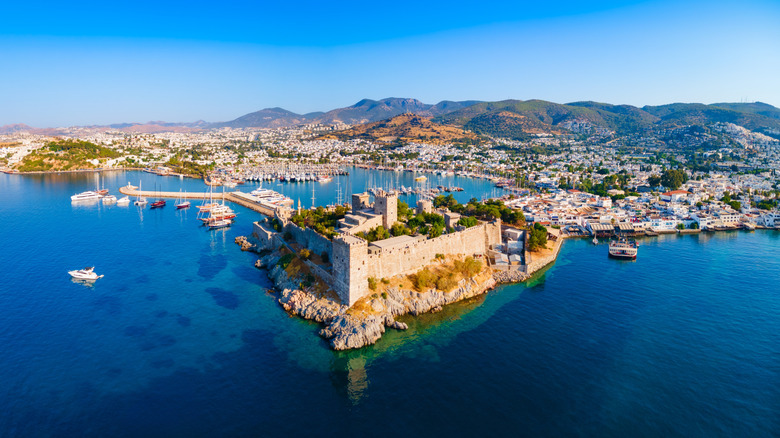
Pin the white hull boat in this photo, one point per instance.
(85, 274)
(85, 196)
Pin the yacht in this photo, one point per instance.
(85, 196)
(221, 223)
(85, 274)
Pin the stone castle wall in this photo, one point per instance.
(353, 265)
(411, 258)
(310, 239)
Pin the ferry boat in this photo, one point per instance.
(623, 249)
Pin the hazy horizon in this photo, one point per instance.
(91, 65)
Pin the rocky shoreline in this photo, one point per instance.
(345, 329)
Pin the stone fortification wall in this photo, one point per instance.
(263, 235)
(310, 239)
(411, 258)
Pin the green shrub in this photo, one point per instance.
(372, 283)
(385, 281)
(424, 279)
(384, 295)
(468, 267)
(446, 283)
(285, 260)
(304, 254)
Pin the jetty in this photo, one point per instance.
(240, 198)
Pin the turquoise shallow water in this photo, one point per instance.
(181, 339)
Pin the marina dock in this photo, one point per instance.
(240, 198)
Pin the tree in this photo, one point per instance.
(654, 180)
(674, 178)
(537, 237)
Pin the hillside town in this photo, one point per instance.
(583, 183)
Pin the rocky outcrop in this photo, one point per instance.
(510, 276)
(245, 244)
(346, 330)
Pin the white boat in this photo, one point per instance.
(85, 196)
(139, 200)
(623, 249)
(85, 274)
(221, 223)
(109, 199)
(124, 200)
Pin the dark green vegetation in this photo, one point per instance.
(488, 211)
(320, 220)
(65, 155)
(674, 178)
(524, 119)
(537, 237)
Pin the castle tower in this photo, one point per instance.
(350, 273)
(386, 204)
(359, 202)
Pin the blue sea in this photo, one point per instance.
(182, 338)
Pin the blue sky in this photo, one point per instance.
(98, 63)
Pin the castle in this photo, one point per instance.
(355, 260)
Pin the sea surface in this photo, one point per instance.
(181, 337)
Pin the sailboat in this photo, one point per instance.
(140, 200)
(182, 201)
(205, 207)
(158, 203)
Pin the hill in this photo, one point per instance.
(364, 111)
(404, 128)
(65, 155)
(519, 119)
(265, 118)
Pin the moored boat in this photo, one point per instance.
(85, 196)
(623, 249)
(158, 203)
(123, 201)
(109, 199)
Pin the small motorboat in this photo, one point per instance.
(109, 199)
(159, 203)
(85, 274)
(123, 201)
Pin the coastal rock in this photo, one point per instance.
(245, 244)
(349, 331)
